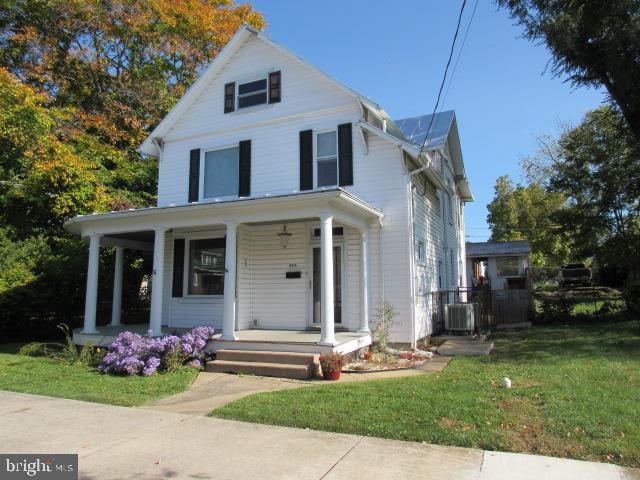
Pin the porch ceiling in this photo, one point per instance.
(299, 206)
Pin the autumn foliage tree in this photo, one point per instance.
(82, 82)
(123, 63)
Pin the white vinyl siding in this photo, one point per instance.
(309, 102)
(434, 223)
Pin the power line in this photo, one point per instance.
(444, 77)
(464, 40)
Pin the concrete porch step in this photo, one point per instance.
(283, 370)
(294, 358)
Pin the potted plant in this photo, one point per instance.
(331, 365)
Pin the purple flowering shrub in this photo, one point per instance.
(132, 353)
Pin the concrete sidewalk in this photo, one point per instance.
(132, 443)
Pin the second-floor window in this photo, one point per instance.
(220, 173)
(327, 159)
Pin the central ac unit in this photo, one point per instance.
(459, 316)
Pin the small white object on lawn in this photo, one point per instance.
(506, 382)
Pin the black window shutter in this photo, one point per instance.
(229, 97)
(345, 154)
(194, 175)
(306, 160)
(274, 87)
(178, 267)
(244, 188)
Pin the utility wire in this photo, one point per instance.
(444, 77)
(464, 40)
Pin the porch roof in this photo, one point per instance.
(337, 202)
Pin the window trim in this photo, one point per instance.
(203, 155)
(316, 158)
(212, 235)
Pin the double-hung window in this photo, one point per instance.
(327, 159)
(252, 93)
(220, 177)
(206, 266)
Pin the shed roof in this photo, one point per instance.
(489, 249)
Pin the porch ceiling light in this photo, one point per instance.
(284, 236)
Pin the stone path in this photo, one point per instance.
(465, 346)
(213, 390)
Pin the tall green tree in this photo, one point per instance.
(529, 212)
(592, 42)
(598, 170)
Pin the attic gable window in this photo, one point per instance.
(252, 93)
(259, 91)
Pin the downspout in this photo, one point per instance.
(381, 269)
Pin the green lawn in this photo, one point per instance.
(576, 393)
(44, 376)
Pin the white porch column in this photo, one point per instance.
(327, 328)
(155, 319)
(91, 297)
(229, 314)
(116, 303)
(364, 282)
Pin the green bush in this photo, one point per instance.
(555, 308)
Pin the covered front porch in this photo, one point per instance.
(237, 266)
(304, 341)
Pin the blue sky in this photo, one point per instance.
(395, 53)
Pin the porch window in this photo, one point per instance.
(206, 266)
(221, 173)
(327, 159)
(507, 266)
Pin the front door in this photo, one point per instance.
(337, 285)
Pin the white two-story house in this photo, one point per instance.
(287, 202)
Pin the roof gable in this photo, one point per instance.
(199, 87)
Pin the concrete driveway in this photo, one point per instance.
(133, 443)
